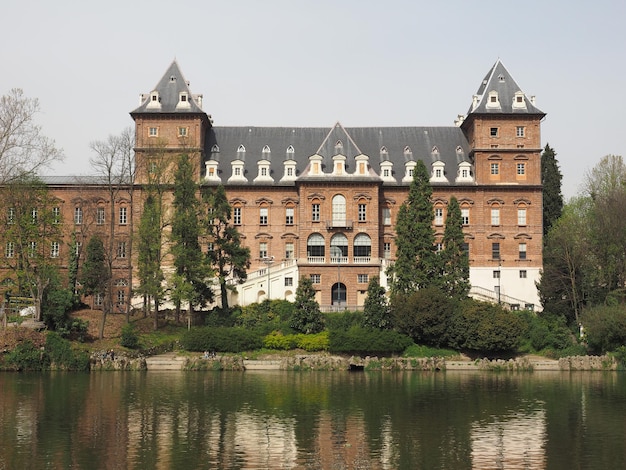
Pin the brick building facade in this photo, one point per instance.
(322, 202)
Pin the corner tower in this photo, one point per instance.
(168, 122)
(502, 128)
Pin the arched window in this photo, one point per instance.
(338, 247)
(362, 247)
(315, 245)
(339, 210)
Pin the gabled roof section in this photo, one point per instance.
(500, 84)
(338, 136)
(168, 92)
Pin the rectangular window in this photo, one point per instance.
(289, 250)
(522, 274)
(121, 297)
(32, 249)
(78, 215)
(210, 246)
(123, 216)
(438, 216)
(97, 299)
(466, 248)
(263, 250)
(465, 216)
(493, 132)
(9, 250)
(495, 168)
(362, 278)
(439, 247)
(495, 216)
(315, 212)
(152, 168)
(100, 216)
(11, 215)
(263, 215)
(289, 211)
(54, 250)
(182, 132)
(362, 212)
(237, 215)
(153, 132)
(77, 248)
(387, 250)
(521, 169)
(56, 215)
(121, 250)
(522, 251)
(520, 131)
(386, 216)
(495, 250)
(289, 282)
(496, 274)
(316, 278)
(521, 216)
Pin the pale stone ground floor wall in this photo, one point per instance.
(281, 282)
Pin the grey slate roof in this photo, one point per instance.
(169, 88)
(450, 142)
(500, 80)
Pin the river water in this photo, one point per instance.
(313, 420)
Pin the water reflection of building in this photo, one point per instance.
(514, 441)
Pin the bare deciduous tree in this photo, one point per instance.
(23, 148)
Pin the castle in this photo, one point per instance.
(322, 202)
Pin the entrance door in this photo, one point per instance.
(339, 294)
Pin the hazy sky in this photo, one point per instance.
(312, 63)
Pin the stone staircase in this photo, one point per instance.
(167, 361)
(261, 364)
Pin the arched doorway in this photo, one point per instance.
(339, 294)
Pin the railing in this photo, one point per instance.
(316, 259)
(362, 259)
(340, 308)
(339, 259)
(506, 300)
(347, 224)
(273, 268)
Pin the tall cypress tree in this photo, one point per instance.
(307, 317)
(455, 262)
(188, 257)
(416, 262)
(551, 180)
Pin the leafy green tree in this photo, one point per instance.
(551, 180)
(189, 261)
(605, 327)
(307, 317)
(570, 267)
(376, 312)
(455, 262)
(486, 328)
(225, 254)
(149, 254)
(416, 262)
(95, 276)
(425, 315)
(31, 233)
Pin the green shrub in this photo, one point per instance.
(62, 355)
(366, 340)
(486, 328)
(343, 321)
(605, 327)
(415, 350)
(130, 338)
(277, 340)
(26, 356)
(313, 342)
(221, 339)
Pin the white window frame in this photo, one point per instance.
(495, 216)
(9, 250)
(362, 211)
(315, 212)
(263, 250)
(121, 249)
(522, 252)
(289, 250)
(100, 216)
(520, 131)
(263, 215)
(521, 216)
(237, 215)
(289, 215)
(78, 215)
(362, 278)
(521, 169)
(465, 216)
(316, 278)
(123, 219)
(438, 216)
(54, 249)
(495, 168)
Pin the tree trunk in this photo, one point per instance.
(224, 291)
(156, 314)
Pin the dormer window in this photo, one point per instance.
(290, 152)
(155, 100)
(338, 147)
(241, 152)
(408, 154)
(493, 100)
(384, 154)
(518, 100)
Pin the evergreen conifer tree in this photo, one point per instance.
(551, 180)
(376, 311)
(455, 262)
(416, 262)
(307, 317)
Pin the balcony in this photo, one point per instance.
(339, 259)
(339, 223)
(316, 259)
(362, 259)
